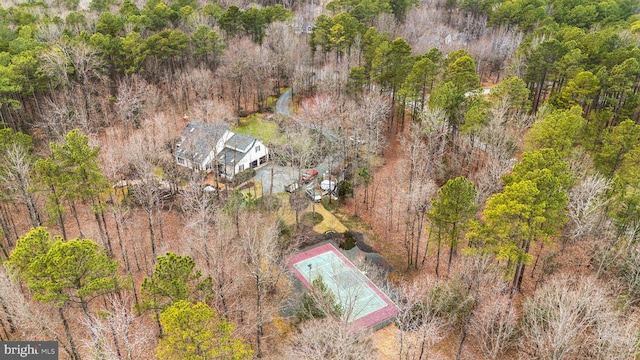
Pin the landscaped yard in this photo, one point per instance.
(259, 128)
(329, 221)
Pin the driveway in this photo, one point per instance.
(285, 175)
(282, 105)
(282, 176)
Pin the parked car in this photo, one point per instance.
(313, 195)
(293, 187)
(309, 175)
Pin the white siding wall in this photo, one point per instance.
(257, 151)
(252, 155)
(223, 140)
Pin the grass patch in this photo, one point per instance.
(330, 222)
(259, 128)
(396, 258)
(333, 206)
(253, 187)
(270, 202)
(271, 102)
(312, 219)
(353, 222)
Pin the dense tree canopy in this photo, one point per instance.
(174, 278)
(525, 109)
(194, 331)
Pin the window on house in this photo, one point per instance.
(240, 168)
(257, 148)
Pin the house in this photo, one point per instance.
(302, 25)
(213, 147)
(198, 145)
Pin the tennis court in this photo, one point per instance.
(364, 303)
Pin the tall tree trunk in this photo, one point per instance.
(271, 183)
(419, 235)
(259, 315)
(535, 265)
(439, 237)
(106, 231)
(74, 350)
(519, 270)
(462, 339)
(521, 276)
(75, 215)
(115, 340)
(56, 201)
(539, 92)
(101, 231)
(426, 248)
(123, 252)
(12, 327)
(152, 233)
(94, 335)
(452, 240)
(6, 231)
(223, 298)
(28, 199)
(157, 317)
(85, 96)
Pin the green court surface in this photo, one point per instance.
(363, 303)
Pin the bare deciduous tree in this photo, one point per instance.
(226, 265)
(419, 189)
(435, 130)
(477, 275)
(626, 262)
(586, 207)
(495, 324)
(370, 123)
(575, 318)
(23, 319)
(86, 65)
(15, 178)
(199, 208)
(148, 192)
(133, 92)
(498, 142)
(330, 339)
(120, 333)
(418, 330)
(259, 240)
(60, 117)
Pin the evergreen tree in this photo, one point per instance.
(174, 278)
(531, 208)
(194, 331)
(452, 210)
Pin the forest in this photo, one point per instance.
(488, 150)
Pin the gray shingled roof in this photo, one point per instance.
(240, 142)
(198, 140)
(230, 156)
